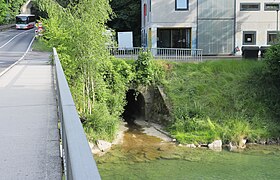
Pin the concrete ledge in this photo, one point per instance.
(5, 27)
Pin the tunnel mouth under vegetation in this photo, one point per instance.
(135, 107)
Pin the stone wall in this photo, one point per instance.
(157, 109)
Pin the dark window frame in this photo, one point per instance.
(182, 9)
(267, 9)
(166, 38)
(254, 33)
(271, 33)
(250, 9)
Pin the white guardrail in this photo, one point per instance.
(77, 157)
(173, 54)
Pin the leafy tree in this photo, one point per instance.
(127, 17)
(14, 8)
(9, 9)
(64, 3)
(98, 82)
(3, 11)
(37, 12)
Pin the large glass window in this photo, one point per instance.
(181, 4)
(271, 37)
(174, 38)
(271, 6)
(250, 6)
(249, 38)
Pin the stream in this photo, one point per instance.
(147, 157)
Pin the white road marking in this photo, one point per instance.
(6, 70)
(14, 38)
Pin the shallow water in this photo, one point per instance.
(147, 157)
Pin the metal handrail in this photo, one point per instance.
(77, 157)
(172, 54)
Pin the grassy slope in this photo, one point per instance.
(39, 45)
(222, 99)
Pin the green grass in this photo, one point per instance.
(39, 45)
(235, 96)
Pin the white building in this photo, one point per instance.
(217, 27)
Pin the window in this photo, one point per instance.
(249, 6)
(174, 38)
(249, 38)
(181, 4)
(271, 7)
(271, 37)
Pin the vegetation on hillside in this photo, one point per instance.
(228, 100)
(98, 81)
(9, 10)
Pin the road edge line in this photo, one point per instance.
(11, 66)
(13, 38)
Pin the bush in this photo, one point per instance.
(100, 124)
(272, 59)
(147, 71)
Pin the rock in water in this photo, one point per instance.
(262, 141)
(190, 146)
(216, 145)
(242, 143)
(232, 147)
(103, 145)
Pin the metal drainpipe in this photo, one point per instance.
(277, 20)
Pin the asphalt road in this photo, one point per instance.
(13, 45)
(29, 136)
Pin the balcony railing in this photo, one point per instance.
(173, 54)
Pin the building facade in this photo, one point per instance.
(217, 27)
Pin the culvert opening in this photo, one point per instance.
(135, 107)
